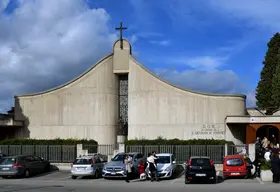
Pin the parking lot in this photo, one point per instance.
(62, 181)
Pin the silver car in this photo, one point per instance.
(87, 166)
(116, 168)
(166, 165)
(23, 165)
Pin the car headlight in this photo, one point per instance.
(167, 169)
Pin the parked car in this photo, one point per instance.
(116, 168)
(166, 165)
(23, 165)
(200, 169)
(234, 166)
(87, 166)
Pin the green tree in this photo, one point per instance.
(276, 84)
(264, 88)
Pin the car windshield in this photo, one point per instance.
(120, 157)
(234, 162)
(200, 162)
(82, 162)
(7, 161)
(163, 159)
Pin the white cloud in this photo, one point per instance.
(258, 13)
(197, 62)
(251, 99)
(214, 81)
(161, 43)
(45, 43)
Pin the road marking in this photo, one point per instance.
(258, 179)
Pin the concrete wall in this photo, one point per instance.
(86, 108)
(157, 108)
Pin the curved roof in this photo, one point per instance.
(142, 66)
(184, 89)
(69, 82)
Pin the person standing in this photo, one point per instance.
(127, 162)
(152, 167)
(141, 168)
(265, 142)
(275, 166)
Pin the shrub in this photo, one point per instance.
(57, 141)
(163, 141)
(265, 165)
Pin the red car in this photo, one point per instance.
(234, 166)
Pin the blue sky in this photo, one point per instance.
(206, 45)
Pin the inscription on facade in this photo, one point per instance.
(209, 129)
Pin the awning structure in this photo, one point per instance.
(252, 119)
(253, 123)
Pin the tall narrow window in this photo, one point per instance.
(123, 104)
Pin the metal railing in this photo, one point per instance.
(105, 150)
(237, 149)
(53, 153)
(182, 152)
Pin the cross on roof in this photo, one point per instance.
(121, 28)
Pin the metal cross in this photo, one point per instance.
(121, 28)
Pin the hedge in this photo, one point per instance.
(265, 165)
(163, 141)
(47, 142)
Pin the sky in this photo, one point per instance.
(214, 46)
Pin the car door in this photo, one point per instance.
(136, 160)
(97, 163)
(40, 165)
(31, 164)
(102, 162)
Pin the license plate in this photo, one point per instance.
(200, 175)
(234, 173)
(80, 168)
(5, 169)
(113, 173)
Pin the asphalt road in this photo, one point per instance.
(62, 182)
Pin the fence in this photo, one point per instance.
(236, 149)
(182, 152)
(53, 153)
(105, 150)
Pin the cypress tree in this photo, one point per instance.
(276, 84)
(264, 88)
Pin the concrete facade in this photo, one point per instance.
(87, 107)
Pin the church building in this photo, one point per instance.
(119, 97)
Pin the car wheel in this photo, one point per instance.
(47, 168)
(214, 181)
(74, 177)
(27, 173)
(96, 174)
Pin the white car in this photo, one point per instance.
(166, 165)
(87, 166)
